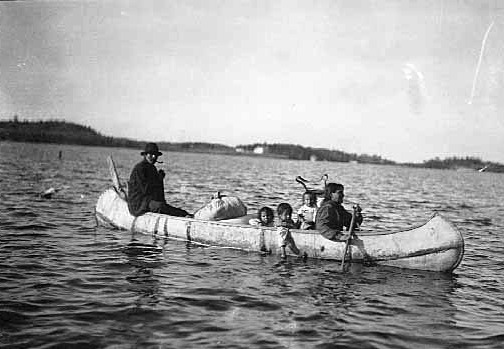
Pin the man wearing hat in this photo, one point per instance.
(146, 189)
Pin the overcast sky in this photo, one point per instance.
(392, 78)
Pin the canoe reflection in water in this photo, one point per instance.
(142, 261)
(377, 303)
(176, 290)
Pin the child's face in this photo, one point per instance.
(285, 216)
(307, 200)
(266, 218)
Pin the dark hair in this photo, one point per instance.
(266, 209)
(311, 195)
(284, 207)
(332, 188)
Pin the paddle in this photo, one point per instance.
(351, 233)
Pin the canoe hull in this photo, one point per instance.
(437, 245)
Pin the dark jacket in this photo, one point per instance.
(145, 184)
(331, 218)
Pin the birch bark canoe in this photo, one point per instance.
(436, 245)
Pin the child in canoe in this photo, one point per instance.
(284, 223)
(307, 212)
(264, 217)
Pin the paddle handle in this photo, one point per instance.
(351, 230)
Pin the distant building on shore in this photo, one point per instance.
(259, 150)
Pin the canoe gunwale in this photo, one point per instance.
(296, 231)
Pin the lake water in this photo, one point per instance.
(64, 282)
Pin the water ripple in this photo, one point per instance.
(66, 283)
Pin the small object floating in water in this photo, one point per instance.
(483, 169)
(48, 193)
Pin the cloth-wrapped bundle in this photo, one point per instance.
(222, 207)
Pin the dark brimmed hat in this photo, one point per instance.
(151, 148)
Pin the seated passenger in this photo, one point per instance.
(264, 217)
(332, 216)
(146, 189)
(284, 223)
(306, 213)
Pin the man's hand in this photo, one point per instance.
(161, 174)
(358, 216)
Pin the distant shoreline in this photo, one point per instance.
(62, 132)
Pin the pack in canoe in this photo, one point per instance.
(436, 246)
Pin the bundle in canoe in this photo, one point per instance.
(436, 246)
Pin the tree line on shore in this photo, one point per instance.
(455, 163)
(62, 132)
(298, 152)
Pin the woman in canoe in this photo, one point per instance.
(332, 217)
